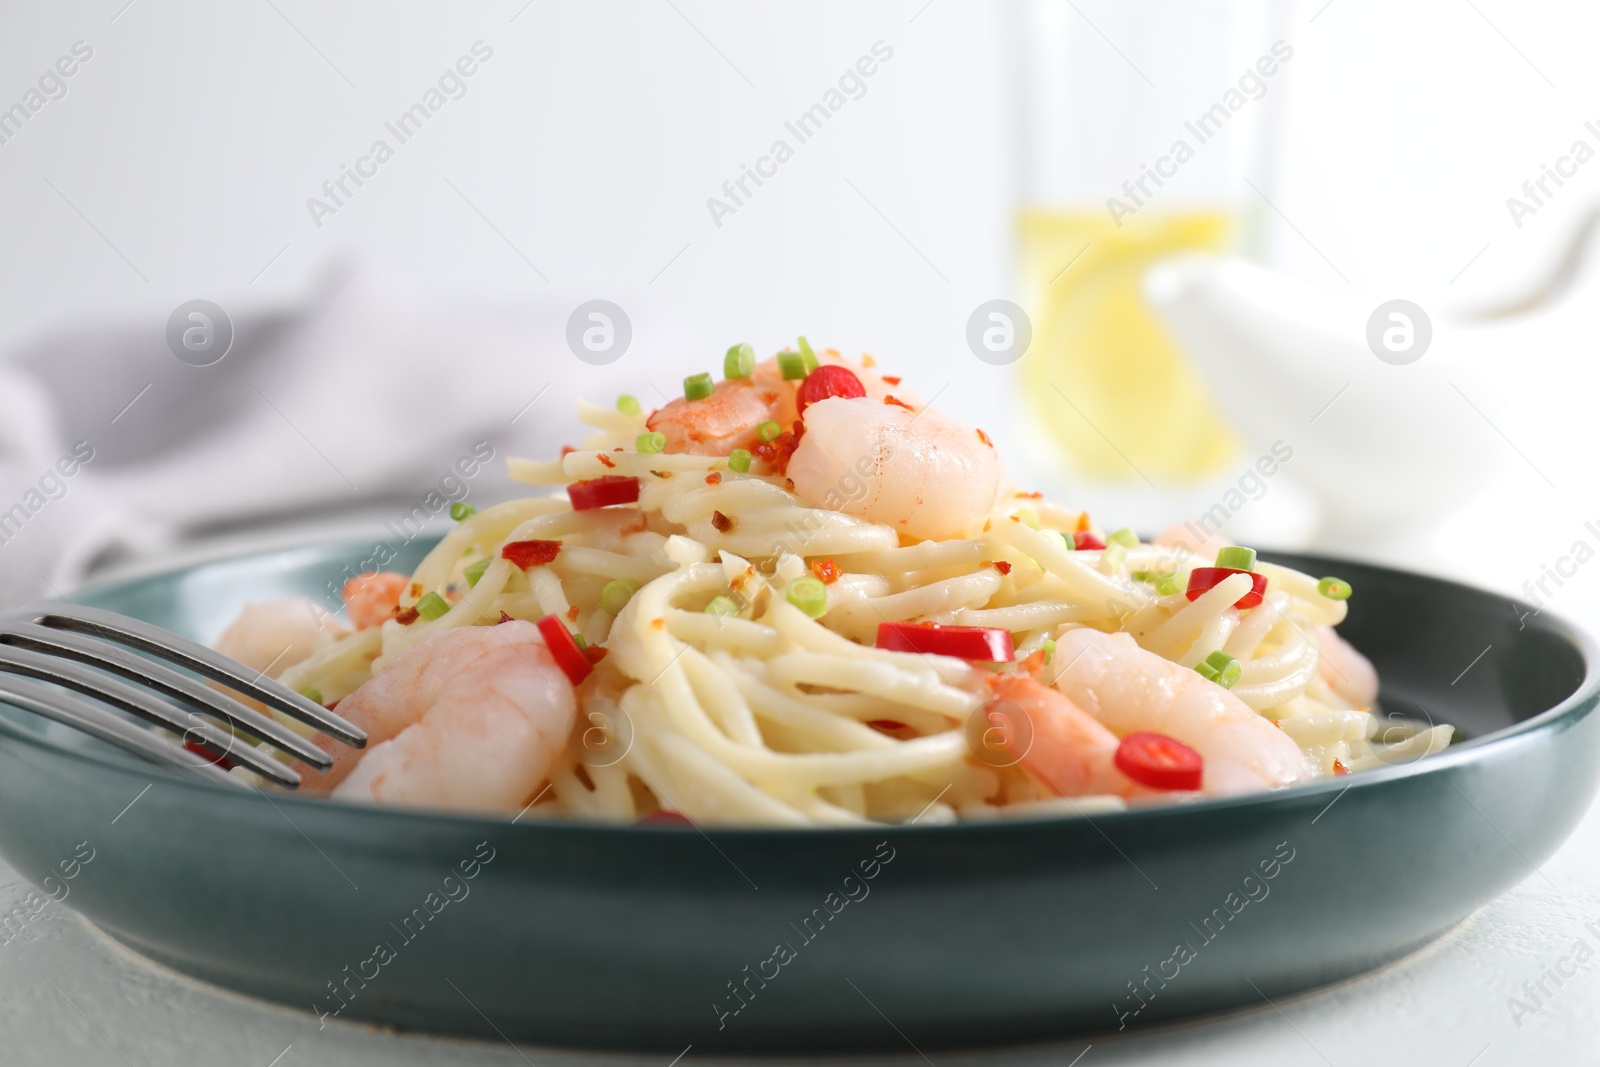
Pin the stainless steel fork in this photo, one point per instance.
(79, 649)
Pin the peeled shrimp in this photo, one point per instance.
(469, 719)
(1184, 535)
(370, 599)
(1130, 689)
(274, 635)
(1347, 672)
(731, 416)
(1058, 742)
(922, 473)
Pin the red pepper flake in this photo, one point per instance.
(663, 475)
(897, 402)
(527, 554)
(572, 613)
(504, 618)
(1030, 496)
(567, 450)
(594, 653)
(721, 522)
(826, 570)
(605, 460)
(714, 478)
(887, 725)
(416, 589)
(1002, 566)
(893, 379)
(406, 616)
(658, 624)
(206, 754)
(985, 438)
(1339, 768)
(1083, 523)
(617, 449)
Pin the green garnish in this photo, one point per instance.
(475, 571)
(1049, 652)
(311, 693)
(721, 605)
(1334, 589)
(1221, 668)
(1113, 556)
(809, 595)
(769, 431)
(1071, 542)
(1166, 584)
(650, 442)
(459, 511)
(791, 365)
(1124, 537)
(616, 594)
(740, 362)
(739, 460)
(698, 387)
(432, 606)
(628, 405)
(807, 356)
(1236, 558)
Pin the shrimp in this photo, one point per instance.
(1183, 535)
(732, 415)
(922, 473)
(371, 598)
(274, 635)
(469, 719)
(1130, 689)
(1058, 742)
(1348, 673)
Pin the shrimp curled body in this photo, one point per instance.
(1059, 743)
(470, 719)
(1130, 689)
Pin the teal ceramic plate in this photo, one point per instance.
(662, 937)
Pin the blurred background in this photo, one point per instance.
(1199, 215)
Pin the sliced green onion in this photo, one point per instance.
(1124, 537)
(311, 693)
(1113, 556)
(1334, 589)
(459, 511)
(698, 387)
(650, 442)
(1071, 542)
(739, 460)
(1236, 558)
(628, 405)
(769, 431)
(1028, 517)
(808, 357)
(475, 571)
(740, 362)
(616, 594)
(809, 595)
(1049, 652)
(1221, 668)
(578, 640)
(722, 605)
(432, 606)
(791, 365)
(1165, 584)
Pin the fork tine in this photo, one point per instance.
(201, 660)
(64, 708)
(162, 679)
(143, 703)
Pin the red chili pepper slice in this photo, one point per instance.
(987, 644)
(210, 757)
(602, 492)
(1160, 762)
(1085, 541)
(1203, 578)
(563, 649)
(827, 381)
(527, 554)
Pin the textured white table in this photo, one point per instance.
(68, 995)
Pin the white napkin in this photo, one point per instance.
(110, 442)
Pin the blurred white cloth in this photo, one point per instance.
(346, 400)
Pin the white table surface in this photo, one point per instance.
(68, 995)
